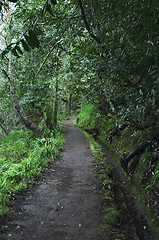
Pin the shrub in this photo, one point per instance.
(17, 172)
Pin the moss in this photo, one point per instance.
(111, 217)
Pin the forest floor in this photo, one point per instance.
(65, 203)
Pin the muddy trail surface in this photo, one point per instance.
(65, 204)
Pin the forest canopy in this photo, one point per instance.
(57, 56)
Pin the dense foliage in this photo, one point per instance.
(121, 142)
(60, 55)
(110, 58)
(22, 160)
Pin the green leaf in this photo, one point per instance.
(30, 43)
(33, 38)
(141, 92)
(19, 49)
(157, 81)
(25, 45)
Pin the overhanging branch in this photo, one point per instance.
(90, 30)
(86, 23)
(137, 153)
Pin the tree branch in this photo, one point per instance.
(40, 68)
(138, 152)
(86, 23)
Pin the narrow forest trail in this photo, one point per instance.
(66, 203)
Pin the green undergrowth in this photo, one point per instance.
(88, 116)
(144, 178)
(112, 219)
(22, 159)
(63, 116)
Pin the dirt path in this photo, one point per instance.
(65, 204)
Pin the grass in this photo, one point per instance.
(22, 160)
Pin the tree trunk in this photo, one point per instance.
(56, 97)
(49, 119)
(56, 104)
(69, 103)
(27, 122)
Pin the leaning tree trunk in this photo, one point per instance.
(27, 122)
